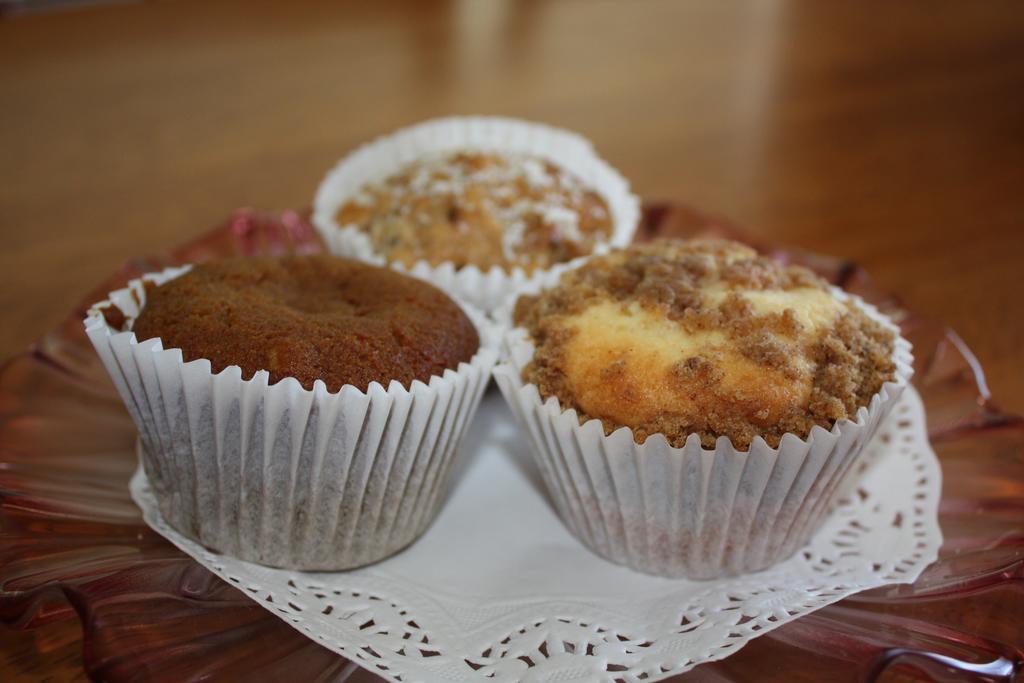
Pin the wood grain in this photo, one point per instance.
(892, 134)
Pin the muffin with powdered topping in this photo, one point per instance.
(479, 206)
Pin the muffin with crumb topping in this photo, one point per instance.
(704, 338)
(686, 348)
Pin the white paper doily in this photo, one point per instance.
(498, 590)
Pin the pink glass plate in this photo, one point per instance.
(74, 545)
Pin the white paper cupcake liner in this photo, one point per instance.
(282, 475)
(387, 155)
(690, 511)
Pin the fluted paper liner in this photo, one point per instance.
(279, 474)
(485, 289)
(690, 511)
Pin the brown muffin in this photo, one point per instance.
(478, 208)
(703, 337)
(310, 317)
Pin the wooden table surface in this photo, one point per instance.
(893, 135)
(889, 133)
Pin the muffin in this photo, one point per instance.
(299, 412)
(703, 338)
(485, 209)
(479, 206)
(312, 318)
(693, 405)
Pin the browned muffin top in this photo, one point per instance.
(310, 317)
(479, 208)
(703, 337)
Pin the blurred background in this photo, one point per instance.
(888, 133)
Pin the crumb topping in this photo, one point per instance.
(703, 337)
(480, 208)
